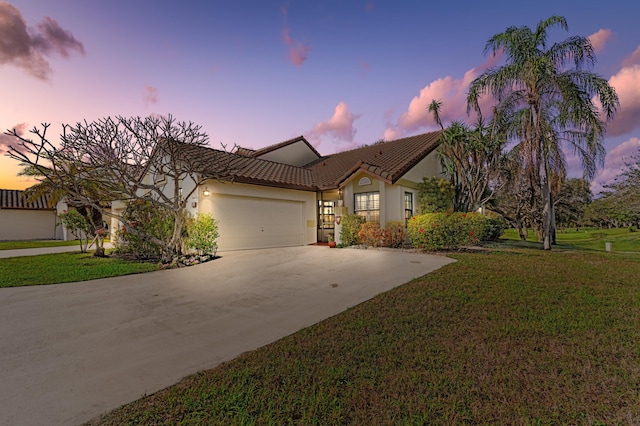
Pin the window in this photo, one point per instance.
(367, 205)
(326, 214)
(408, 207)
(364, 181)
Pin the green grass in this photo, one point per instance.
(65, 267)
(508, 336)
(621, 239)
(15, 245)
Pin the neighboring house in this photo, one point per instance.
(288, 194)
(22, 220)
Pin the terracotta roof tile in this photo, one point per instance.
(15, 199)
(388, 160)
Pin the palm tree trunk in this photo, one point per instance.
(553, 229)
(546, 205)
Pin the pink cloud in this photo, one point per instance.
(633, 59)
(6, 140)
(369, 6)
(627, 85)
(25, 47)
(599, 39)
(298, 51)
(614, 163)
(453, 94)
(339, 127)
(150, 94)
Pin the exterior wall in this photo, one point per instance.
(18, 224)
(392, 196)
(305, 199)
(429, 166)
(394, 206)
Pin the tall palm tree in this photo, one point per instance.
(547, 93)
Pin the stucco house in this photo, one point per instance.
(23, 220)
(288, 194)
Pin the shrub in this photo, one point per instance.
(494, 228)
(203, 234)
(438, 231)
(435, 194)
(395, 235)
(145, 219)
(371, 235)
(351, 224)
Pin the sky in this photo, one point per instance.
(343, 73)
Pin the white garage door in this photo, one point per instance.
(249, 222)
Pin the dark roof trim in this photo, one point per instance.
(16, 199)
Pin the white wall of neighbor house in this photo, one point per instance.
(20, 224)
(253, 216)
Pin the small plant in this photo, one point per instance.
(203, 234)
(351, 224)
(78, 225)
(371, 235)
(395, 235)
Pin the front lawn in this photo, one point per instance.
(509, 336)
(65, 267)
(621, 239)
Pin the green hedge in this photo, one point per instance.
(351, 224)
(440, 231)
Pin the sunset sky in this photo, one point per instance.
(254, 73)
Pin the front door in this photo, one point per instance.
(326, 219)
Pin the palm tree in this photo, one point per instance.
(547, 94)
(470, 158)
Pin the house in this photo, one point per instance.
(27, 220)
(288, 194)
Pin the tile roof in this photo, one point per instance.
(15, 199)
(388, 161)
(236, 167)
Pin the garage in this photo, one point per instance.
(254, 222)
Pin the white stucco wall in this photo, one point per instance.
(429, 166)
(17, 224)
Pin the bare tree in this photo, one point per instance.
(157, 159)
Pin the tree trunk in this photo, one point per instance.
(545, 188)
(553, 228)
(522, 232)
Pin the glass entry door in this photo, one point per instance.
(326, 219)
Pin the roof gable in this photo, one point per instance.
(387, 161)
(294, 152)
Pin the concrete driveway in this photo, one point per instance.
(70, 352)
